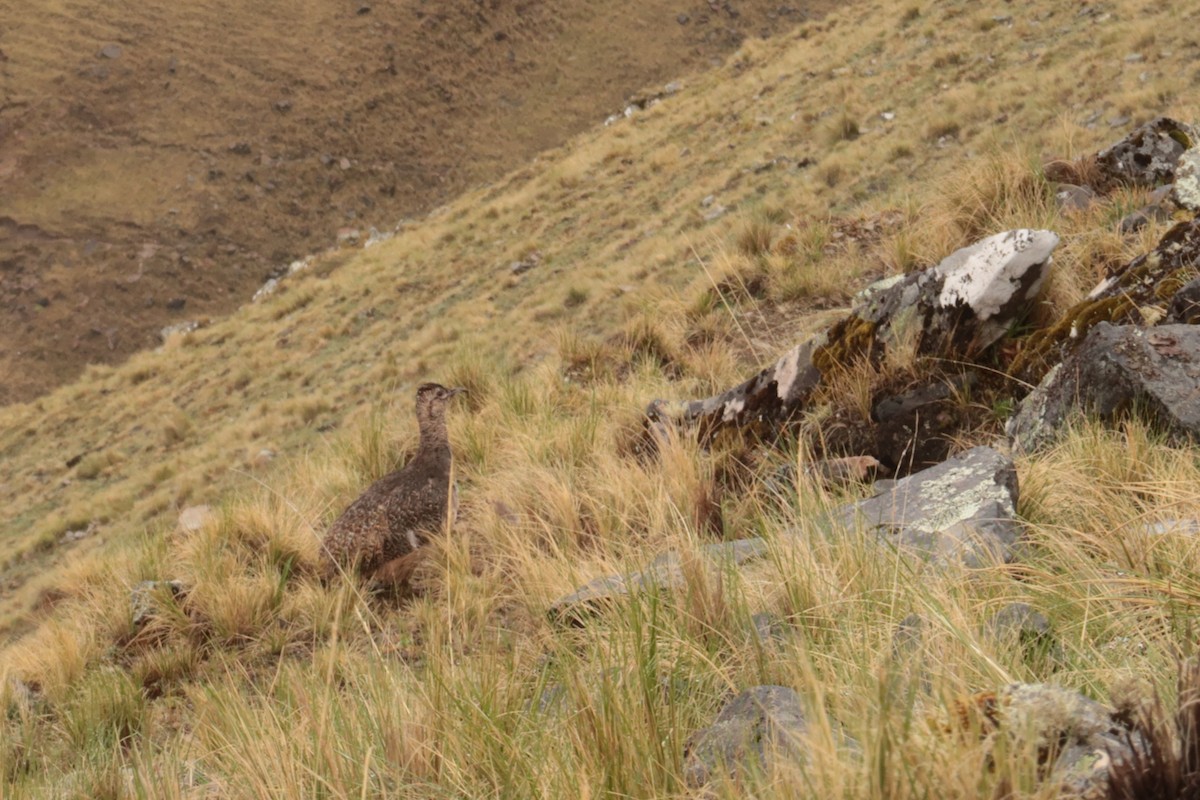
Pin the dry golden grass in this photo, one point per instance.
(262, 682)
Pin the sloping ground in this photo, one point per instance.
(776, 181)
(159, 160)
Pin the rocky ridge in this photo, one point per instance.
(963, 510)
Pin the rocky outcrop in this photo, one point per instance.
(1134, 294)
(957, 309)
(664, 573)
(961, 511)
(1118, 368)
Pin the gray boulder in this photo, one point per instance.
(997, 278)
(1116, 369)
(664, 572)
(754, 731)
(963, 510)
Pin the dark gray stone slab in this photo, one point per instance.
(1118, 368)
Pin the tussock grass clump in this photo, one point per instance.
(755, 238)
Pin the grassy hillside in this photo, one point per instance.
(264, 683)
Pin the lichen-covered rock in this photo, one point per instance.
(1147, 156)
(1116, 369)
(996, 278)
(963, 510)
(770, 396)
(1077, 737)
(756, 730)
(957, 309)
(1134, 293)
(665, 572)
(1186, 192)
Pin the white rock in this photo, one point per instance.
(987, 275)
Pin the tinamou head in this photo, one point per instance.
(432, 397)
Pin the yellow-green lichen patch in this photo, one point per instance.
(847, 341)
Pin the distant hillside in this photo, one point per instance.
(160, 160)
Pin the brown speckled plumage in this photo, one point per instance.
(396, 514)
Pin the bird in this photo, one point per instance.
(381, 535)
